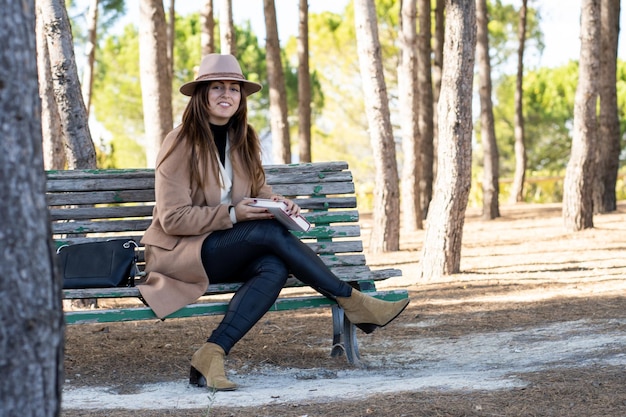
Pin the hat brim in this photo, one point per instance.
(249, 87)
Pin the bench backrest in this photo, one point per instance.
(91, 205)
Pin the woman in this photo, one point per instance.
(204, 229)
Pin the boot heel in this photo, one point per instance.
(196, 378)
(367, 328)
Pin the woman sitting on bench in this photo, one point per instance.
(204, 229)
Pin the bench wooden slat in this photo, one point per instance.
(143, 195)
(98, 182)
(145, 210)
(101, 197)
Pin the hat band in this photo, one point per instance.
(218, 75)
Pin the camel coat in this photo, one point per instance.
(184, 215)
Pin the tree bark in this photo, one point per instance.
(386, 222)
(409, 117)
(228, 43)
(577, 193)
(491, 189)
(429, 145)
(425, 87)
(304, 84)
(441, 254)
(278, 92)
(171, 37)
(54, 141)
(608, 150)
(31, 334)
(517, 188)
(156, 84)
(207, 26)
(67, 92)
(90, 53)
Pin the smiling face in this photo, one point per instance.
(224, 99)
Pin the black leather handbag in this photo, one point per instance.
(111, 263)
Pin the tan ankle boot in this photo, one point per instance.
(208, 362)
(363, 309)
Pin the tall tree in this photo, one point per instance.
(110, 10)
(577, 193)
(304, 84)
(386, 223)
(409, 117)
(31, 334)
(517, 188)
(90, 52)
(66, 86)
(441, 254)
(156, 84)
(429, 145)
(207, 27)
(54, 142)
(228, 41)
(171, 37)
(425, 86)
(608, 149)
(278, 92)
(491, 190)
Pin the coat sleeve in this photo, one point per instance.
(178, 214)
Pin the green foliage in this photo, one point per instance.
(117, 102)
(503, 36)
(548, 115)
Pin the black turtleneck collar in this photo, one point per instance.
(220, 135)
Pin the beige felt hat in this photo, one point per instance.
(216, 67)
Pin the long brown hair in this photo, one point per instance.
(244, 140)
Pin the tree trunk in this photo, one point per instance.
(491, 189)
(31, 334)
(517, 188)
(386, 223)
(429, 144)
(171, 37)
(156, 84)
(67, 92)
(207, 26)
(54, 142)
(90, 53)
(304, 85)
(409, 117)
(577, 193)
(441, 254)
(278, 92)
(608, 150)
(228, 43)
(425, 86)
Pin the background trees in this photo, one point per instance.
(156, 82)
(385, 231)
(339, 122)
(441, 253)
(577, 192)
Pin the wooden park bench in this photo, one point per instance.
(94, 205)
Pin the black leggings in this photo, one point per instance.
(260, 254)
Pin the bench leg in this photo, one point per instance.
(344, 338)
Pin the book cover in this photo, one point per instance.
(279, 210)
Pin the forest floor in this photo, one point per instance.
(534, 325)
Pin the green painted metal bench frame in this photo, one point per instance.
(92, 205)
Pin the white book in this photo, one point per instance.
(279, 210)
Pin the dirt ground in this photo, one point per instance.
(535, 325)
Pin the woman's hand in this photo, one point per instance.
(245, 212)
(292, 208)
